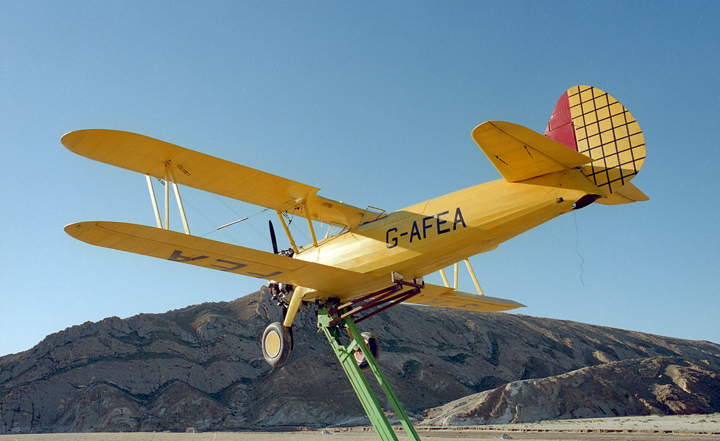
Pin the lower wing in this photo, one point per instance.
(327, 281)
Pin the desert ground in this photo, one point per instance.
(648, 428)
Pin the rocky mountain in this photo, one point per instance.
(202, 366)
(656, 385)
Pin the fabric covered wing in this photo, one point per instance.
(520, 153)
(147, 155)
(198, 251)
(440, 296)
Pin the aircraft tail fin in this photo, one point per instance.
(593, 123)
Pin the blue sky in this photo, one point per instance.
(374, 103)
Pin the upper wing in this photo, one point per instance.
(148, 156)
(193, 250)
(520, 153)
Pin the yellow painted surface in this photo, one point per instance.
(520, 153)
(423, 238)
(542, 179)
(343, 284)
(624, 195)
(415, 241)
(272, 344)
(206, 253)
(607, 132)
(147, 155)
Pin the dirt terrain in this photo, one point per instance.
(648, 428)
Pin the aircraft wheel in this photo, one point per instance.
(373, 344)
(276, 344)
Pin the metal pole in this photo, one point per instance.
(475, 280)
(178, 200)
(287, 231)
(456, 276)
(310, 225)
(154, 201)
(167, 196)
(444, 278)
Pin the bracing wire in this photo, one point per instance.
(299, 230)
(243, 219)
(577, 248)
(240, 218)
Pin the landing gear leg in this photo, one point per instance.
(346, 356)
(277, 340)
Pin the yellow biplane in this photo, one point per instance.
(369, 260)
(590, 151)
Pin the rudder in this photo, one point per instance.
(592, 122)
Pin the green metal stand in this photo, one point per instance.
(357, 378)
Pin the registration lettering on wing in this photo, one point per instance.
(253, 270)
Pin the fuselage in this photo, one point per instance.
(426, 237)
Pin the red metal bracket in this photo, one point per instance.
(383, 299)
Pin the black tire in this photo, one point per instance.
(373, 344)
(276, 344)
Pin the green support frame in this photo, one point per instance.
(357, 378)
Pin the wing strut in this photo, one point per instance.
(153, 200)
(474, 279)
(472, 275)
(169, 178)
(287, 231)
(169, 172)
(310, 225)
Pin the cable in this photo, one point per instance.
(577, 249)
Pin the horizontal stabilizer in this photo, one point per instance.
(624, 195)
(520, 153)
